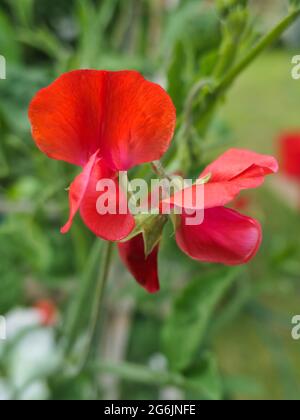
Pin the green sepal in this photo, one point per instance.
(151, 227)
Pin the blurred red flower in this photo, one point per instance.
(241, 203)
(104, 122)
(290, 154)
(225, 236)
(47, 311)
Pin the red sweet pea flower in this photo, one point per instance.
(104, 122)
(225, 236)
(290, 154)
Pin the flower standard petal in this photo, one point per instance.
(130, 119)
(139, 120)
(66, 116)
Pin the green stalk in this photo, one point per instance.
(95, 322)
(139, 374)
(78, 307)
(265, 42)
(143, 375)
(209, 101)
(159, 170)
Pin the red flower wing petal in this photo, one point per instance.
(144, 270)
(112, 226)
(77, 191)
(225, 237)
(239, 163)
(131, 120)
(234, 171)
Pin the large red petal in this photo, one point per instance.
(66, 116)
(77, 191)
(139, 120)
(234, 171)
(144, 270)
(225, 237)
(131, 120)
(110, 226)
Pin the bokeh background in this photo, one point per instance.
(229, 329)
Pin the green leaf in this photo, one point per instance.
(243, 385)
(23, 11)
(205, 378)
(44, 40)
(4, 168)
(203, 381)
(93, 21)
(9, 47)
(176, 80)
(191, 311)
(294, 4)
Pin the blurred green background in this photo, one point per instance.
(211, 332)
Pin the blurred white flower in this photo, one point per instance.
(35, 391)
(5, 393)
(20, 319)
(32, 355)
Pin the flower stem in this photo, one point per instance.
(210, 100)
(95, 322)
(78, 314)
(159, 170)
(262, 44)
